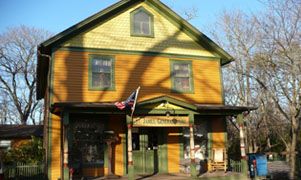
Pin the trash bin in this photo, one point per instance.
(261, 165)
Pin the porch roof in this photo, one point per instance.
(58, 108)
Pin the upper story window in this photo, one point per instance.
(101, 72)
(142, 23)
(181, 76)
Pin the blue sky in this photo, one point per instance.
(57, 15)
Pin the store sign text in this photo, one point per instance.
(161, 121)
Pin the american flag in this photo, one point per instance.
(129, 102)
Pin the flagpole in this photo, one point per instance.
(130, 149)
(134, 106)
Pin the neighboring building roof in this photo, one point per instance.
(20, 131)
(45, 48)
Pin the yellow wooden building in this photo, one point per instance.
(180, 111)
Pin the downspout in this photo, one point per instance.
(46, 116)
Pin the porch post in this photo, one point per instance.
(192, 149)
(241, 135)
(130, 150)
(242, 144)
(66, 151)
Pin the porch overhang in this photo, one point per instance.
(223, 109)
(145, 107)
(59, 108)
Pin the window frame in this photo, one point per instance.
(172, 79)
(90, 72)
(77, 118)
(132, 23)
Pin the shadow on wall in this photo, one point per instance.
(68, 84)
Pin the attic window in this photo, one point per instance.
(142, 23)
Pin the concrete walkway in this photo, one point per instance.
(181, 176)
(175, 176)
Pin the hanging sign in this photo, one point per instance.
(161, 121)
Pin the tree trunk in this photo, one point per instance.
(293, 147)
(287, 156)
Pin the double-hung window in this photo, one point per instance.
(142, 23)
(181, 76)
(101, 72)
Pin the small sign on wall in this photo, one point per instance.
(161, 121)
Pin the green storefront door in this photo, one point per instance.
(149, 150)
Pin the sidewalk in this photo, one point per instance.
(174, 176)
(182, 176)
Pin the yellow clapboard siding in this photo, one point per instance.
(55, 148)
(218, 129)
(94, 172)
(173, 150)
(151, 73)
(115, 34)
(118, 156)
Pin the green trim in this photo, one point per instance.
(226, 139)
(244, 165)
(131, 172)
(79, 27)
(110, 12)
(159, 111)
(98, 111)
(142, 53)
(50, 115)
(192, 164)
(129, 167)
(151, 28)
(90, 72)
(124, 151)
(66, 118)
(168, 99)
(210, 139)
(221, 82)
(66, 173)
(49, 145)
(106, 150)
(172, 80)
(191, 31)
(191, 118)
(193, 170)
(66, 122)
(163, 152)
(240, 119)
(105, 163)
(140, 111)
(129, 119)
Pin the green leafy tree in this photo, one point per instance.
(31, 152)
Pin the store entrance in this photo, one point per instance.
(149, 148)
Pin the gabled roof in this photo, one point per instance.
(45, 48)
(20, 131)
(116, 8)
(167, 99)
